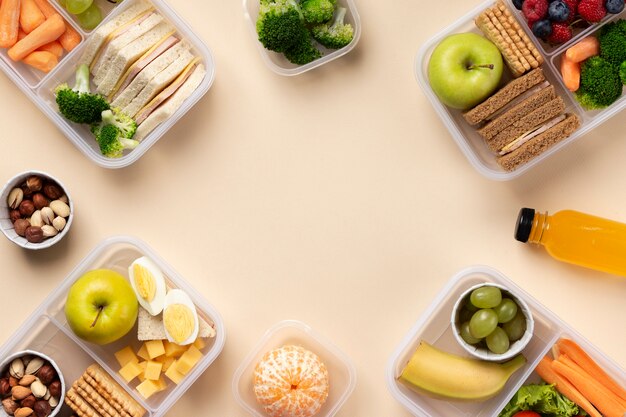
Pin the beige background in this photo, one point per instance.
(336, 197)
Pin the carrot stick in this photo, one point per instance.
(562, 385)
(53, 47)
(586, 48)
(9, 22)
(570, 71)
(591, 389)
(578, 355)
(42, 60)
(30, 15)
(70, 38)
(47, 32)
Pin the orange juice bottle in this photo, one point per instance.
(577, 238)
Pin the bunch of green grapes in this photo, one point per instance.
(487, 317)
(87, 12)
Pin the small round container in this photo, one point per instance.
(7, 226)
(341, 370)
(484, 353)
(4, 366)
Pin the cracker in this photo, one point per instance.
(491, 32)
(79, 405)
(116, 394)
(151, 327)
(94, 398)
(528, 44)
(511, 45)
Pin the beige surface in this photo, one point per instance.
(336, 198)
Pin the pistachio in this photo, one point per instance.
(23, 412)
(15, 198)
(38, 389)
(17, 368)
(26, 359)
(59, 223)
(27, 380)
(35, 219)
(60, 208)
(34, 365)
(47, 215)
(19, 392)
(49, 231)
(53, 401)
(48, 395)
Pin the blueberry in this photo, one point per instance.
(518, 4)
(558, 11)
(542, 28)
(614, 6)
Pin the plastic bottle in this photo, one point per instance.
(576, 238)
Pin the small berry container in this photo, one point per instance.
(5, 223)
(341, 370)
(278, 63)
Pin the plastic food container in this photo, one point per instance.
(466, 137)
(483, 353)
(434, 327)
(47, 330)
(278, 63)
(7, 226)
(40, 87)
(341, 371)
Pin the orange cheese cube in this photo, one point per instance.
(199, 343)
(125, 356)
(155, 348)
(167, 362)
(188, 360)
(174, 350)
(153, 370)
(143, 352)
(174, 375)
(148, 388)
(130, 371)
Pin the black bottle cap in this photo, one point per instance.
(524, 224)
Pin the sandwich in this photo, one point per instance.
(522, 120)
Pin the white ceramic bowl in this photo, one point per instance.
(7, 362)
(7, 226)
(484, 353)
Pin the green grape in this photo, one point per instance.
(470, 307)
(90, 18)
(515, 328)
(466, 335)
(465, 315)
(486, 297)
(77, 6)
(483, 322)
(506, 310)
(498, 341)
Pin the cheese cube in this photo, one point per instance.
(143, 352)
(174, 350)
(142, 376)
(155, 348)
(199, 343)
(125, 356)
(167, 362)
(188, 360)
(153, 370)
(148, 388)
(130, 371)
(161, 383)
(173, 374)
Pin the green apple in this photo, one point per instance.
(101, 306)
(464, 70)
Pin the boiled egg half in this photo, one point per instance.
(147, 280)
(180, 318)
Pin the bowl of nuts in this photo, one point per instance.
(31, 385)
(35, 210)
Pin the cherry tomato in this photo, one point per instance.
(526, 414)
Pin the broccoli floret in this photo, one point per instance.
(600, 84)
(303, 52)
(612, 40)
(334, 35)
(79, 104)
(318, 11)
(622, 72)
(111, 140)
(280, 24)
(122, 121)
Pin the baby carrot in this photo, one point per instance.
(9, 22)
(48, 31)
(570, 71)
(70, 38)
(53, 47)
(584, 49)
(42, 60)
(30, 15)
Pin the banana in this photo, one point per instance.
(447, 375)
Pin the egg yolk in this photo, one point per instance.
(179, 322)
(144, 282)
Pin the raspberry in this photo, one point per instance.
(573, 5)
(591, 10)
(561, 33)
(535, 9)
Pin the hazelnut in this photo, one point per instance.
(26, 208)
(34, 183)
(15, 198)
(46, 374)
(14, 215)
(27, 192)
(20, 226)
(52, 191)
(34, 234)
(28, 401)
(55, 389)
(42, 409)
(13, 381)
(5, 387)
(9, 406)
(40, 201)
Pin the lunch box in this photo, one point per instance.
(39, 87)
(48, 332)
(466, 137)
(435, 328)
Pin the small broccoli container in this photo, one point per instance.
(345, 10)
